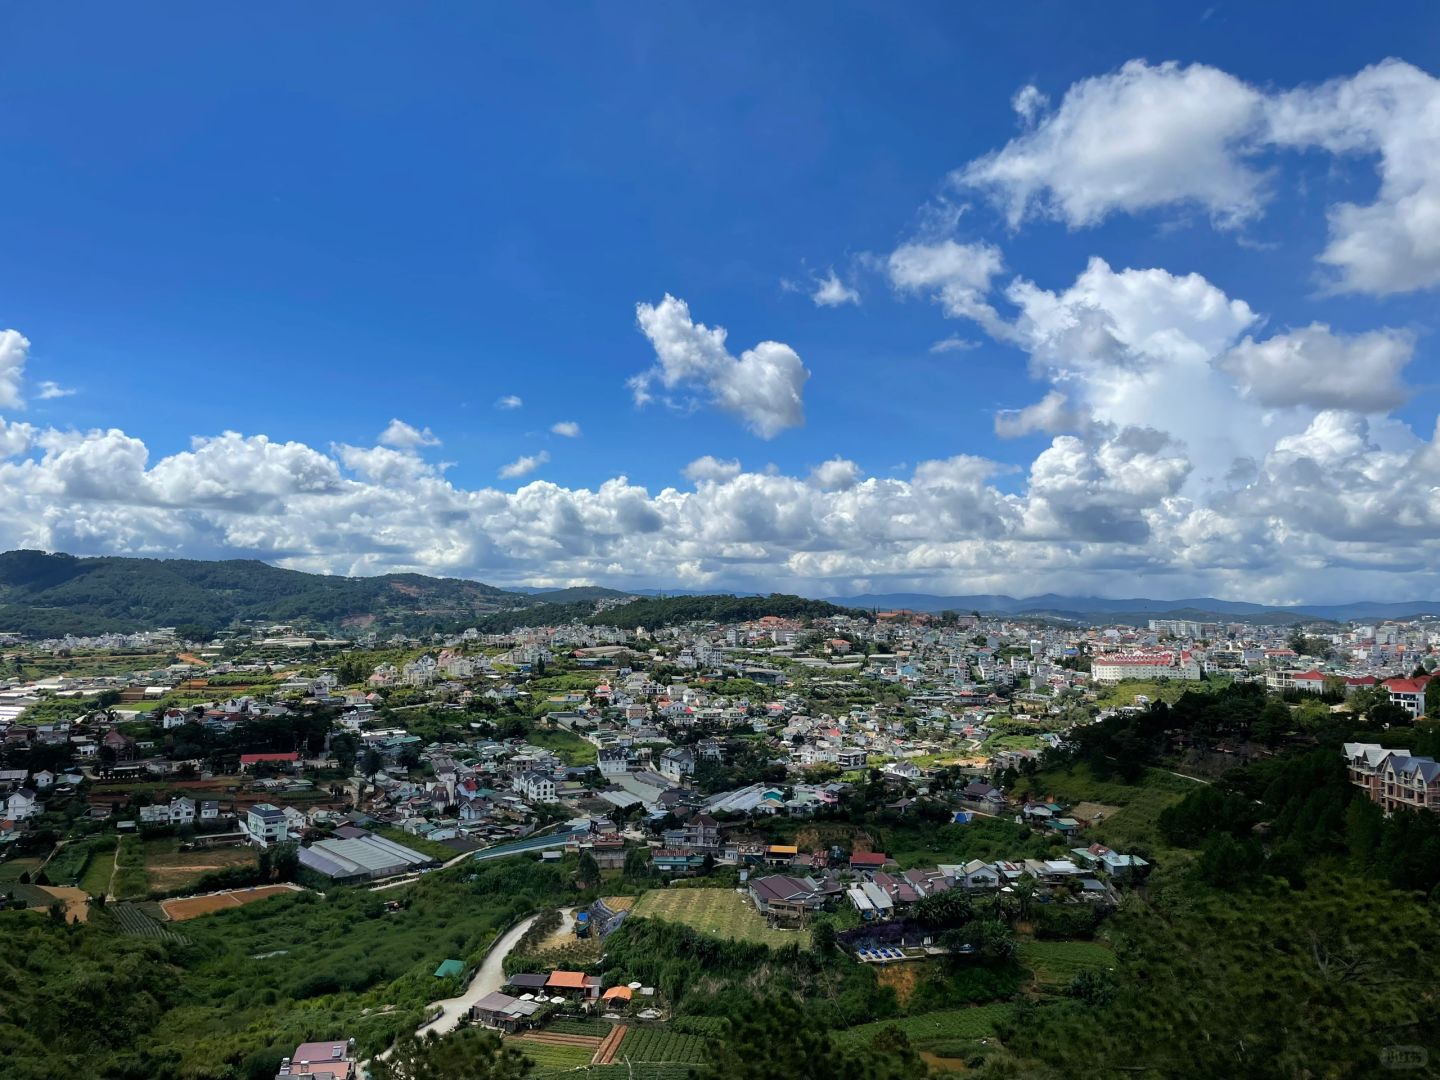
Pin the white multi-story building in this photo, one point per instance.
(536, 787)
(266, 825)
(1116, 667)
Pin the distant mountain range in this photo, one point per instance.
(1136, 609)
(48, 595)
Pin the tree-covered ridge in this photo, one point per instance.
(669, 610)
(50, 594)
(43, 593)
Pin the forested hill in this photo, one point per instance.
(660, 611)
(44, 594)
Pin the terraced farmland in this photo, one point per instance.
(658, 1044)
(136, 923)
(555, 1051)
(1056, 963)
(938, 1032)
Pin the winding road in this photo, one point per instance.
(488, 977)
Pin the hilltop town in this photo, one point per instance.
(925, 797)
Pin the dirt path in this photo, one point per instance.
(114, 869)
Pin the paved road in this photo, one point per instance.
(489, 977)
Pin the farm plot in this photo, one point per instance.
(170, 870)
(136, 923)
(1055, 963)
(940, 1032)
(70, 862)
(14, 869)
(557, 1051)
(77, 903)
(191, 907)
(566, 1025)
(98, 871)
(638, 1070)
(657, 1044)
(720, 912)
(32, 896)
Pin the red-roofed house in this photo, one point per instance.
(868, 860)
(1409, 694)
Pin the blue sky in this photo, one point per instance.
(305, 224)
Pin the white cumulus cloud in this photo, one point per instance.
(1390, 111)
(405, 436)
(830, 291)
(1152, 136)
(957, 275)
(49, 390)
(1324, 370)
(569, 429)
(711, 468)
(763, 388)
(1141, 137)
(524, 465)
(1052, 414)
(509, 401)
(14, 350)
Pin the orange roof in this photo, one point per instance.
(621, 992)
(566, 980)
(783, 849)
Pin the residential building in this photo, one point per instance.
(1408, 694)
(787, 900)
(1110, 668)
(536, 787)
(613, 761)
(321, 1061)
(266, 825)
(677, 764)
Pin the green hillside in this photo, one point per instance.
(43, 594)
(50, 594)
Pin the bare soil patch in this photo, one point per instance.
(191, 907)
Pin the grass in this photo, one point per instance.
(11, 869)
(549, 1056)
(923, 844)
(571, 748)
(96, 879)
(169, 869)
(1170, 690)
(73, 860)
(1012, 742)
(1140, 803)
(130, 878)
(424, 845)
(639, 1070)
(933, 1031)
(719, 912)
(1055, 963)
